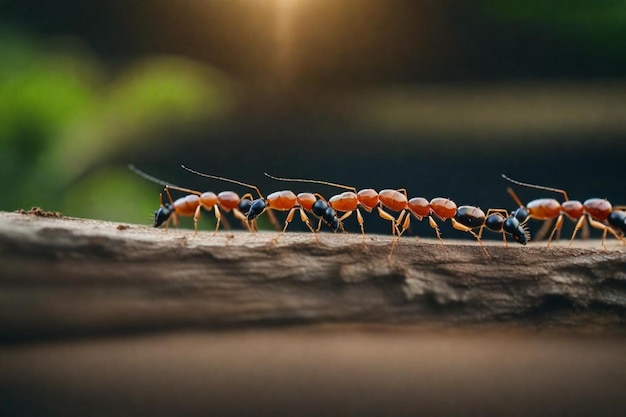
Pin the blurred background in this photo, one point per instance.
(440, 97)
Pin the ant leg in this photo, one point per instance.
(196, 217)
(305, 220)
(239, 215)
(596, 224)
(403, 213)
(622, 208)
(218, 218)
(273, 219)
(174, 219)
(243, 219)
(585, 233)
(579, 224)
(252, 225)
(514, 197)
(319, 225)
(287, 221)
(359, 219)
(405, 226)
(545, 228)
(386, 216)
(463, 228)
(169, 196)
(167, 222)
(558, 225)
(345, 216)
(434, 225)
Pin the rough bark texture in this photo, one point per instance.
(88, 310)
(75, 276)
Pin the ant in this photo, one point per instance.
(465, 218)
(191, 204)
(349, 202)
(595, 210)
(284, 201)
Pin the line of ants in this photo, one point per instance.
(599, 213)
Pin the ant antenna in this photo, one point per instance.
(540, 187)
(215, 177)
(147, 176)
(332, 184)
(159, 181)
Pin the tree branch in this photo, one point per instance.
(67, 276)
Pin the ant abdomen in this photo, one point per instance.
(617, 219)
(470, 216)
(598, 208)
(419, 206)
(444, 208)
(244, 206)
(368, 198)
(228, 200)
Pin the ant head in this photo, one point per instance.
(521, 236)
(519, 233)
(163, 214)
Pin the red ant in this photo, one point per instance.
(284, 201)
(595, 210)
(191, 204)
(349, 202)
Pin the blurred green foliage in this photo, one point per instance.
(63, 115)
(600, 24)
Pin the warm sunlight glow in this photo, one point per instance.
(284, 37)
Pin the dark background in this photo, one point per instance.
(439, 97)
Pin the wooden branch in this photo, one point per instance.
(68, 276)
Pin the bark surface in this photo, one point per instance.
(75, 276)
(102, 319)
